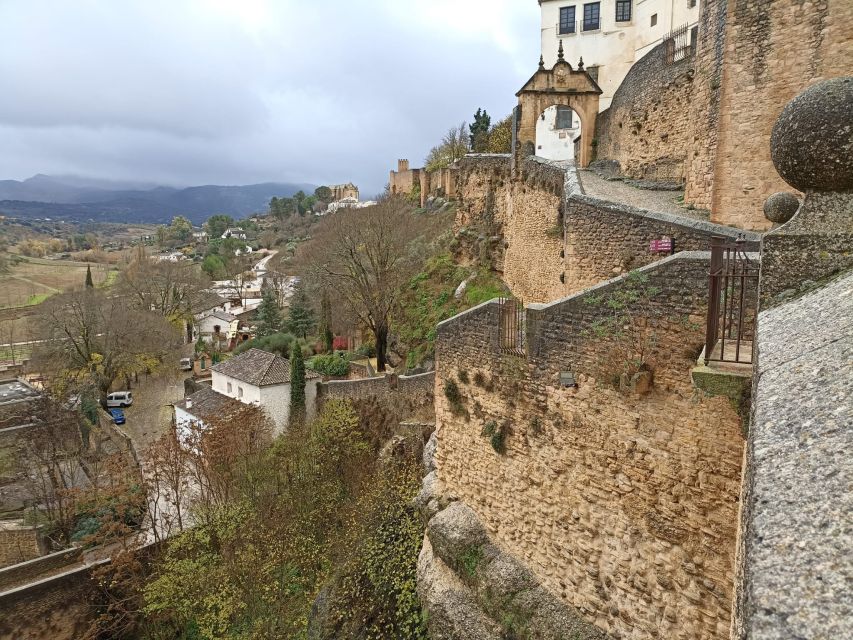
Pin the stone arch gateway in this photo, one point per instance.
(562, 85)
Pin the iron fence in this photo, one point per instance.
(732, 303)
(512, 326)
(677, 44)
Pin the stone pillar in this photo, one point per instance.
(812, 149)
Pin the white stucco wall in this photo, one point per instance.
(616, 46)
(183, 421)
(251, 393)
(552, 143)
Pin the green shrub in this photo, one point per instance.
(462, 374)
(470, 560)
(454, 396)
(333, 364)
(497, 435)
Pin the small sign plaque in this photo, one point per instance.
(664, 245)
(567, 379)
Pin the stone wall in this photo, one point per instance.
(42, 567)
(624, 505)
(645, 129)
(19, 544)
(414, 386)
(753, 57)
(56, 608)
(797, 569)
(555, 239)
(604, 239)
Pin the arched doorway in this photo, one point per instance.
(562, 85)
(556, 131)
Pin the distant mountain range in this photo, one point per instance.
(76, 199)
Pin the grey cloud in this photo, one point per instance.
(168, 92)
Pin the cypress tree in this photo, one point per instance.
(297, 386)
(326, 323)
(89, 283)
(269, 316)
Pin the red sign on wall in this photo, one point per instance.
(664, 245)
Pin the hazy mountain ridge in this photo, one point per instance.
(80, 199)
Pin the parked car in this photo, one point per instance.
(186, 364)
(120, 399)
(118, 416)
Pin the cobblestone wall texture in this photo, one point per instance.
(645, 129)
(753, 57)
(625, 506)
(19, 545)
(558, 241)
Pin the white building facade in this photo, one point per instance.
(610, 35)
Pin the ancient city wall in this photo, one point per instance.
(623, 504)
(42, 567)
(18, 544)
(555, 240)
(752, 58)
(604, 239)
(645, 129)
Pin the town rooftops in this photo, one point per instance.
(203, 403)
(258, 368)
(205, 301)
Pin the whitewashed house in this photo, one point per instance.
(263, 379)
(217, 326)
(235, 232)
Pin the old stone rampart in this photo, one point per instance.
(752, 57)
(555, 239)
(623, 504)
(414, 386)
(644, 131)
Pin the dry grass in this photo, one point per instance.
(34, 280)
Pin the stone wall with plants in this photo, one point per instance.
(601, 469)
(549, 240)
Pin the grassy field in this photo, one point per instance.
(33, 280)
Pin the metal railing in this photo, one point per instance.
(677, 44)
(732, 303)
(512, 326)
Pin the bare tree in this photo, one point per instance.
(454, 145)
(165, 287)
(92, 339)
(366, 255)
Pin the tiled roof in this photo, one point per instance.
(204, 301)
(222, 315)
(258, 368)
(205, 403)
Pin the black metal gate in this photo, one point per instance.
(732, 303)
(512, 326)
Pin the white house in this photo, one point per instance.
(610, 35)
(217, 324)
(262, 378)
(235, 232)
(197, 409)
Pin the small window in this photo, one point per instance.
(654, 19)
(203, 362)
(691, 3)
(239, 392)
(592, 16)
(564, 118)
(567, 20)
(229, 387)
(623, 10)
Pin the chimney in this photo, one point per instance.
(189, 404)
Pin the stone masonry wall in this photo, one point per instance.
(19, 544)
(753, 57)
(704, 111)
(605, 239)
(645, 128)
(624, 506)
(42, 567)
(557, 240)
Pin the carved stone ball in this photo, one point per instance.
(812, 141)
(781, 207)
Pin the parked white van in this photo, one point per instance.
(120, 399)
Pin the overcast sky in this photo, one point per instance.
(187, 92)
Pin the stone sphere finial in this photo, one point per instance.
(812, 141)
(781, 207)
